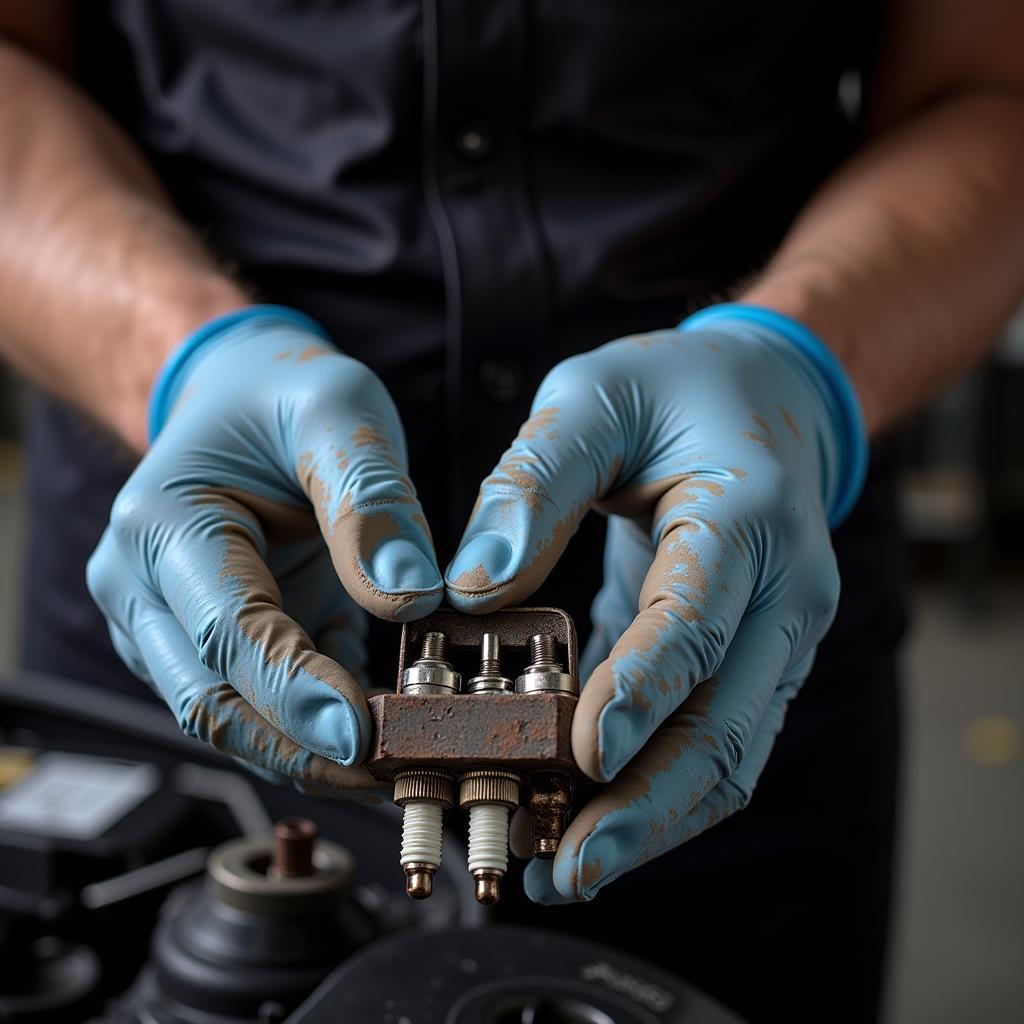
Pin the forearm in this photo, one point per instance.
(910, 259)
(98, 277)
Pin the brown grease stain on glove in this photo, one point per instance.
(688, 728)
(356, 532)
(215, 720)
(661, 606)
(260, 617)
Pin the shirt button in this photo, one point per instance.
(501, 380)
(474, 142)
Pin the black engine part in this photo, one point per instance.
(503, 975)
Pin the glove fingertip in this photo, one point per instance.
(483, 565)
(540, 887)
(399, 566)
(340, 730)
(596, 863)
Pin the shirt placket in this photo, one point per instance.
(476, 98)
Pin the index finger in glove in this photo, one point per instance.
(209, 709)
(209, 569)
(704, 745)
(567, 454)
(351, 462)
(691, 601)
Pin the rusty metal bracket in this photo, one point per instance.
(498, 742)
(525, 732)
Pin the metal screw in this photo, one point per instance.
(424, 793)
(431, 673)
(489, 679)
(544, 674)
(293, 848)
(542, 650)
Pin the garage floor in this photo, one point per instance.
(959, 944)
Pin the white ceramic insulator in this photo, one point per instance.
(421, 833)
(488, 838)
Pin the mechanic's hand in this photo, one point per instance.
(725, 450)
(279, 456)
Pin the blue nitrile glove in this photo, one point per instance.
(724, 450)
(273, 501)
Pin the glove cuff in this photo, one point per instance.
(852, 433)
(174, 370)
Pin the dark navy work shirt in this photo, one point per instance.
(463, 192)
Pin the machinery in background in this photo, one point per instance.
(143, 881)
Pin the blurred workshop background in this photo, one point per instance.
(958, 953)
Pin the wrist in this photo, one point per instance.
(824, 371)
(154, 327)
(182, 360)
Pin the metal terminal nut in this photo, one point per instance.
(544, 674)
(489, 786)
(489, 679)
(431, 672)
(431, 784)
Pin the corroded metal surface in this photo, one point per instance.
(548, 799)
(523, 732)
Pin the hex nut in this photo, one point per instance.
(425, 677)
(547, 681)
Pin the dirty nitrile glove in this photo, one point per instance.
(272, 507)
(723, 451)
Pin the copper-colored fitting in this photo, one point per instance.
(488, 887)
(548, 799)
(293, 848)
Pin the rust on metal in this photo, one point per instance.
(548, 799)
(525, 733)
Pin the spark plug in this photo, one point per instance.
(425, 793)
(489, 793)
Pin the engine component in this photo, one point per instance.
(505, 975)
(424, 793)
(489, 794)
(493, 736)
(257, 935)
